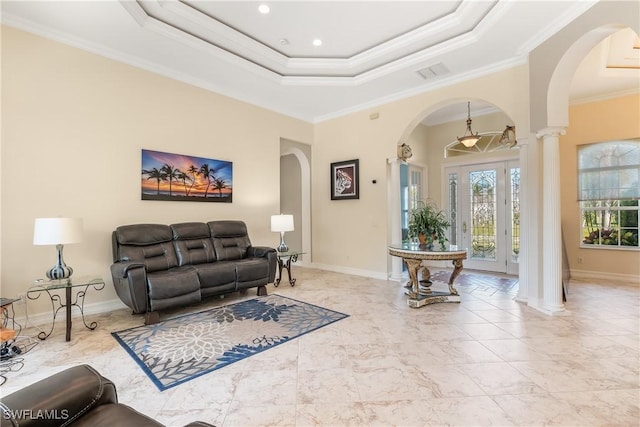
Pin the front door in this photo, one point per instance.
(487, 218)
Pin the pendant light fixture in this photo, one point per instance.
(469, 139)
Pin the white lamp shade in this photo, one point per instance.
(54, 231)
(281, 223)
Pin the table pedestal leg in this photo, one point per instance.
(279, 278)
(68, 307)
(457, 264)
(413, 265)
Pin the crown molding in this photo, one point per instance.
(436, 84)
(134, 61)
(556, 24)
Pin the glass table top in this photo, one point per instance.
(289, 253)
(416, 247)
(70, 282)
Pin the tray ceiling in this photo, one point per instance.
(371, 52)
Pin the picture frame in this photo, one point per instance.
(345, 180)
(183, 178)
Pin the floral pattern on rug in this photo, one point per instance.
(177, 350)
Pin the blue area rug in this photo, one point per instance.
(183, 348)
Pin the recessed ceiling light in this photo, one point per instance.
(264, 9)
(317, 42)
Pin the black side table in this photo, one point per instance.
(81, 284)
(284, 261)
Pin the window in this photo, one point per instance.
(608, 191)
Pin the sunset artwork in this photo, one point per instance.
(176, 177)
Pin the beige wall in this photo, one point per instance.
(73, 126)
(588, 123)
(353, 233)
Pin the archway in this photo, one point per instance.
(552, 66)
(297, 150)
(439, 134)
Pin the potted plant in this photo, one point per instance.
(429, 224)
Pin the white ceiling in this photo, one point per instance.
(372, 51)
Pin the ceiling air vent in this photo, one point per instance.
(433, 71)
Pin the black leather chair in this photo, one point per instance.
(78, 397)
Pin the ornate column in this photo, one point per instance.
(395, 223)
(551, 220)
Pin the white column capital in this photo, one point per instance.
(555, 131)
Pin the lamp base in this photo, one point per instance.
(283, 246)
(60, 270)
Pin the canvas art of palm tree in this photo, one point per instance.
(167, 176)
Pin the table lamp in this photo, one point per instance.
(58, 231)
(281, 224)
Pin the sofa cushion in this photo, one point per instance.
(230, 239)
(172, 288)
(252, 272)
(150, 244)
(143, 234)
(218, 274)
(193, 243)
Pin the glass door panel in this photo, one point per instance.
(484, 201)
(482, 216)
(514, 214)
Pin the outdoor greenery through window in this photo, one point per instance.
(609, 190)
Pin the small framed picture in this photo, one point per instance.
(345, 180)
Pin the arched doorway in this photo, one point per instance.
(295, 193)
(429, 139)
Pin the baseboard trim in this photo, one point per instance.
(347, 270)
(590, 276)
(44, 318)
(22, 316)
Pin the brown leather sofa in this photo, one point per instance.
(158, 267)
(78, 397)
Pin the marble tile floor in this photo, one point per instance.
(486, 361)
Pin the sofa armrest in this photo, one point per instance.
(265, 252)
(121, 269)
(130, 282)
(259, 251)
(58, 399)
